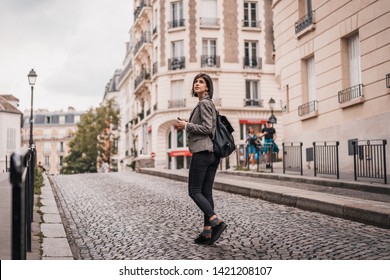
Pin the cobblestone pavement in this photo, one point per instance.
(136, 216)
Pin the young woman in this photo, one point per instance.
(204, 163)
(251, 139)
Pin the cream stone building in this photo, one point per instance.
(333, 64)
(171, 42)
(52, 132)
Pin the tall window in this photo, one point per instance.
(311, 79)
(252, 93)
(209, 16)
(250, 59)
(177, 49)
(177, 13)
(11, 138)
(250, 19)
(354, 60)
(177, 89)
(47, 147)
(209, 52)
(47, 160)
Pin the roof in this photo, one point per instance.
(5, 106)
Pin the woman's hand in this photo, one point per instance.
(181, 124)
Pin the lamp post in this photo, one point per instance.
(271, 104)
(32, 77)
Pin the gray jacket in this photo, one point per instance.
(201, 124)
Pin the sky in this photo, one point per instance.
(74, 46)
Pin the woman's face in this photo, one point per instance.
(251, 130)
(200, 86)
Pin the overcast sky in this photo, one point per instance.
(73, 45)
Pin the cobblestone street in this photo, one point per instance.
(137, 216)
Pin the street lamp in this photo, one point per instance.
(271, 104)
(32, 77)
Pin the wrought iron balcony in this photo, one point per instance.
(307, 108)
(209, 22)
(209, 61)
(145, 38)
(145, 75)
(176, 103)
(304, 22)
(388, 80)
(138, 10)
(176, 23)
(176, 63)
(348, 94)
(252, 62)
(252, 103)
(251, 23)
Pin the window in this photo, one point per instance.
(250, 59)
(177, 90)
(177, 14)
(60, 147)
(177, 49)
(209, 52)
(354, 60)
(209, 15)
(62, 119)
(311, 79)
(47, 160)
(252, 93)
(178, 59)
(60, 160)
(11, 138)
(250, 18)
(46, 147)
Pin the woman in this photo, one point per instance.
(204, 163)
(251, 139)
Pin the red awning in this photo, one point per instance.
(180, 153)
(253, 121)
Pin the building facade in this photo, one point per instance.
(10, 123)
(52, 132)
(171, 42)
(332, 60)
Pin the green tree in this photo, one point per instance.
(91, 143)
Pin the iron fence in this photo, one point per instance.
(369, 159)
(292, 157)
(326, 158)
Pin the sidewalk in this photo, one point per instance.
(357, 201)
(49, 240)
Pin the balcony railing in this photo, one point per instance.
(176, 63)
(209, 22)
(251, 23)
(252, 103)
(176, 23)
(145, 38)
(388, 80)
(176, 103)
(304, 22)
(348, 94)
(209, 61)
(252, 62)
(307, 108)
(155, 68)
(145, 75)
(138, 10)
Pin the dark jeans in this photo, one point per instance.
(200, 182)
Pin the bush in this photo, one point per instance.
(38, 180)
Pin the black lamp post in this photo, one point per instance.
(271, 104)
(32, 77)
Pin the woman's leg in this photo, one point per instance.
(207, 187)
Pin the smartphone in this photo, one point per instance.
(179, 118)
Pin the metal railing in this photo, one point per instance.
(388, 80)
(253, 102)
(252, 62)
(176, 23)
(138, 10)
(209, 61)
(145, 38)
(209, 22)
(369, 159)
(350, 93)
(22, 180)
(307, 108)
(304, 22)
(176, 103)
(326, 158)
(176, 63)
(145, 75)
(292, 157)
(251, 23)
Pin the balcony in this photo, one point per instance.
(176, 23)
(176, 63)
(206, 22)
(209, 61)
(145, 38)
(351, 96)
(176, 103)
(252, 103)
(305, 24)
(145, 75)
(138, 10)
(251, 24)
(388, 80)
(252, 62)
(309, 109)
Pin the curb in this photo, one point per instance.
(355, 209)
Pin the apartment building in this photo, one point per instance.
(171, 42)
(10, 123)
(52, 132)
(333, 64)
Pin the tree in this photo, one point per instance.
(91, 144)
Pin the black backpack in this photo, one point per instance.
(223, 139)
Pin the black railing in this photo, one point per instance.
(369, 159)
(292, 157)
(326, 158)
(252, 62)
(307, 108)
(350, 93)
(138, 10)
(304, 22)
(252, 102)
(145, 75)
(251, 23)
(145, 38)
(155, 68)
(209, 61)
(176, 23)
(209, 22)
(176, 63)
(22, 180)
(176, 103)
(388, 80)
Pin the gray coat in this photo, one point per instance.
(201, 124)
